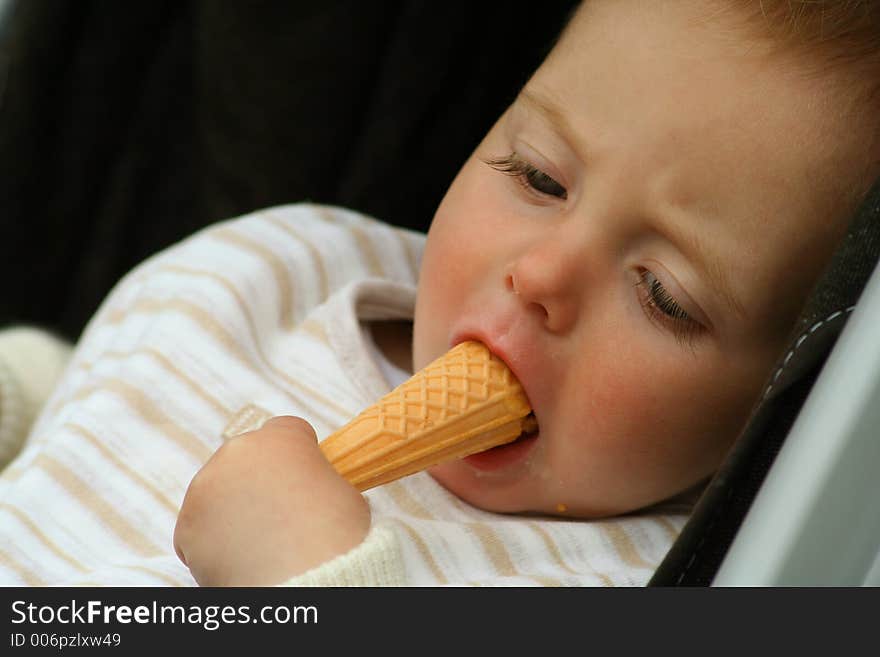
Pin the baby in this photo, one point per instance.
(634, 238)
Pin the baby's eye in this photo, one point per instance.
(529, 175)
(662, 307)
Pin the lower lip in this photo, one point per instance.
(502, 456)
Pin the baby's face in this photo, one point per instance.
(634, 237)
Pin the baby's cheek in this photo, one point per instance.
(622, 402)
(636, 442)
(642, 407)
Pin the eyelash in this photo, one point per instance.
(663, 309)
(528, 175)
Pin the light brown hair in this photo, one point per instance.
(833, 36)
(836, 40)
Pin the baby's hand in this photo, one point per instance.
(267, 506)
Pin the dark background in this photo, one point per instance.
(125, 126)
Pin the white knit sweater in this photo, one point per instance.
(254, 317)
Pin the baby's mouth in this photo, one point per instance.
(530, 430)
(507, 454)
(529, 427)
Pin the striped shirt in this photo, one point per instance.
(262, 315)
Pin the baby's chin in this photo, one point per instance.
(505, 492)
(486, 491)
(499, 492)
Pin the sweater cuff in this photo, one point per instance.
(13, 416)
(31, 362)
(378, 561)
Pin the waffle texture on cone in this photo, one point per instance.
(464, 402)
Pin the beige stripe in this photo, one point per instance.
(214, 328)
(465, 508)
(368, 249)
(16, 468)
(553, 549)
(623, 544)
(410, 250)
(314, 252)
(401, 496)
(164, 361)
(671, 529)
(13, 474)
(541, 580)
(133, 474)
(424, 552)
(30, 578)
(42, 537)
(551, 546)
(407, 503)
(492, 545)
(113, 304)
(88, 498)
(494, 548)
(151, 412)
(149, 306)
(189, 382)
(366, 246)
(316, 330)
(606, 580)
(326, 214)
(275, 264)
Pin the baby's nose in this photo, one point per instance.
(546, 281)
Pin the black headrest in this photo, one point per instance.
(696, 556)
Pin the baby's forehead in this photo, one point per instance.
(748, 99)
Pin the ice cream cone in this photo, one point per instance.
(464, 402)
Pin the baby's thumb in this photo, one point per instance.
(292, 424)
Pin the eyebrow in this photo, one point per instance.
(553, 114)
(708, 265)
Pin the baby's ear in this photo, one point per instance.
(32, 361)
